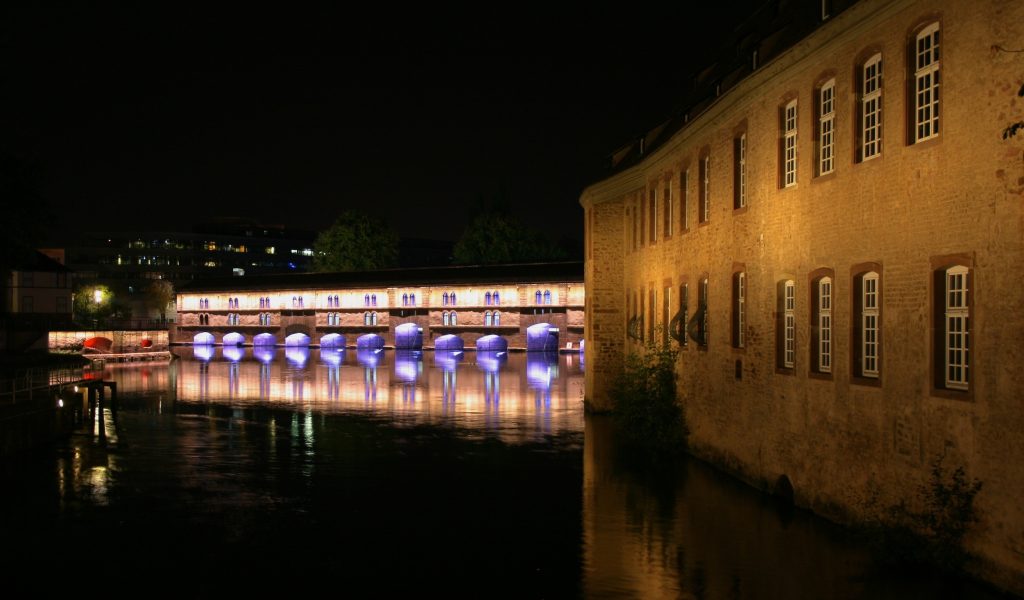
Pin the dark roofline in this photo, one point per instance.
(771, 30)
(433, 276)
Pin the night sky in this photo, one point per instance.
(160, 116)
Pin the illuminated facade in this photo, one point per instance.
(828, 240)
(495, 306)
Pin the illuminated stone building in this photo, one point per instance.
(456, 305)
(828, 234)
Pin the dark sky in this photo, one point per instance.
(160, 115)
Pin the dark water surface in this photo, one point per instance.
(234, 473)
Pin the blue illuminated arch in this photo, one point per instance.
(542, 337)
(234, 339)
(449, 343)
(497, 298)
(203, 352)
(296, 339)
(492, 343)
(332, 340)
(408, 336)
(547, 296)
(370, 341)
(536, 297)
(487, 298)
(204, 338)
(264, 339)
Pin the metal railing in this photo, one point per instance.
(25, 384)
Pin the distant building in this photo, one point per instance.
(36, 297)
(827, 233)
(446, 306)
(128, 262)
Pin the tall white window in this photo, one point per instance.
(666, 316)
(827, 127)
(789, 144)
(956, 328)
(825, 325)
(704, 320)
(684, 186)
(705, 191)
(926, 83)
(652, 213)
(453, 318)
(869, 325)
(444, 318)
(789, 325)
(496, 319)
(741, 171)
(487, 318)
(871, 109)
(669, 199)
(741, 309)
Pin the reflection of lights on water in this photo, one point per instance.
(490, 361)
(264, 354)
(369, 358)
(233, 353)
(332, 356)
(407, 365)
(60, 403)
(297, 355)
(203, 352)
(448, 360)
(541, 368)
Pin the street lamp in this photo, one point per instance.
(97, 298)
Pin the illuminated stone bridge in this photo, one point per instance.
(529, 307)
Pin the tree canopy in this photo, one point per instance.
(495, 238)
(355, 242)
(160, 294)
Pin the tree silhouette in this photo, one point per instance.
(355, 242)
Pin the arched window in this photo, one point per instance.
(487, 298)
(824, 318)
(373, 317)
(739, 308)
(261, 304)
(373, 299)
(453, 318)
(336, 302)
(300, 302)
(444, 317)
(497, 299)
(547, 296)
(444, 299)
(405, 299)
(925, 70)
(487, 318)
(453, 298)
(536, 297)
(496, 319)
(412, 299)
(366, 318)
(366, 299)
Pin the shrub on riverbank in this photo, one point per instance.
(930, 530)
(645, 403)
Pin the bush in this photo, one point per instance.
(644, 401)
(932, 534)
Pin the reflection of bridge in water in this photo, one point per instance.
(484, 388)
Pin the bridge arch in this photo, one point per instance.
(542, 337)
(449, 342)
(408, 336)
(492, 343)
(203, 338)
(234, 339)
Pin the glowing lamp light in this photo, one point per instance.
(97, 295)
(60, 403)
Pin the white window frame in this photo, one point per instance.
(789, 123)
(705, 293)
(706, 199)
(957, 324)
(453, 319)
(741, 309)
(670, 213)
(684, 199)
(869, 324)
(666, 313)
(742, 175)
(496, 318)
(789, 325)
(926, 83)
(827, 128)
(653, 216)
(871, 108)
(825, 325)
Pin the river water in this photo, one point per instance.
(241, 471)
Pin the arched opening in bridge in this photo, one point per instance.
(332, 340)
(296, 339)
(449, 342)
(234, 339)
(204, 338)
(541, 337)
(264, 339)
(408, 336)
(492, 343)
(370, 341)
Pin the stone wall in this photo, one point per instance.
(848, 444)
